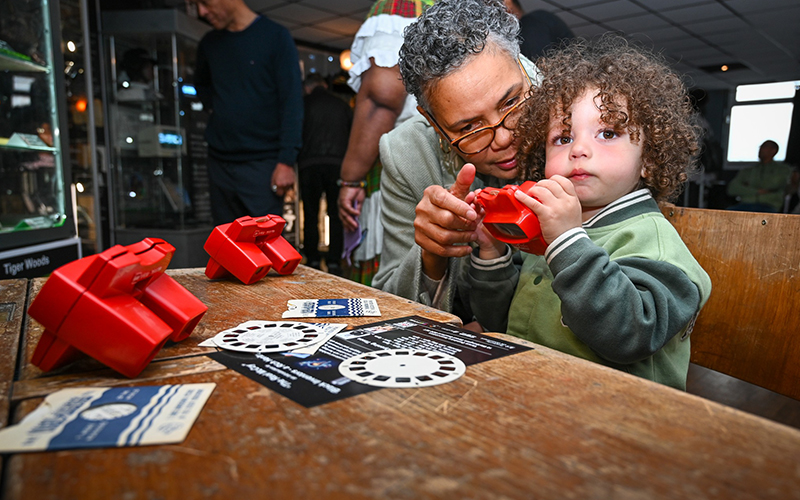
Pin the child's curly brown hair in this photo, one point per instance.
(638, 92)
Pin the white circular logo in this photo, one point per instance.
(109, 411)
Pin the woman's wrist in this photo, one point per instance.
(353, 184)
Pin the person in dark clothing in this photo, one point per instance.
(137, 75)
(326, 130)
(540, 30)
(248, 76)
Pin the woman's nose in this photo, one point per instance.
(503, 138)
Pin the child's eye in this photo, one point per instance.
(561, 140)
(608, 134)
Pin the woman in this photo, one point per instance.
(461, 61)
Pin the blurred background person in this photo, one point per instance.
(326, 129)
(539, 30)
(137, 72)
(255, 128)
(381, 105)
(761, 187)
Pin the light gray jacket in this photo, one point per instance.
(412, 160)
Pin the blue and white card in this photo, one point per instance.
(102, 417)
(331, 308)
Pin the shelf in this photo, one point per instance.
(9, 63)
(15, 143)
(28, 148)
(35, 192)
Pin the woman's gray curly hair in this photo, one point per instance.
(447, 35)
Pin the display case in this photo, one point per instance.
(155, 124)
(37, 228)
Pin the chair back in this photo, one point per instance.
(750, 326)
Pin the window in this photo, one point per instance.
(762, 112)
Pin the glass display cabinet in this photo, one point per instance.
(37, 225)
(155, 126)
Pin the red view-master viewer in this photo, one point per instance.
(248, 247)
(509, 220)
(117, 306)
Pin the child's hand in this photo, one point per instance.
(556, 206)
(488, 247)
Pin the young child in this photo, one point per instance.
(616, 285)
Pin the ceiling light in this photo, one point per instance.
(344, 60)
(723, 67)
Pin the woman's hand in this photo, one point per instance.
(555, 204)
(445, 223)
(350, 201)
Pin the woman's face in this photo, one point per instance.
(476, 95)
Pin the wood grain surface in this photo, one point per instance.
(536, 425)
(748, 329)
(230, 303)
(540, 424)
(13, 294)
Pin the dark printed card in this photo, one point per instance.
(315, 379)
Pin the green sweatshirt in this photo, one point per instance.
(620, 291)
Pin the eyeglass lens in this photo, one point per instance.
(481, 139)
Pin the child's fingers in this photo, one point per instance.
(528, 200)
(551, 189)
(547, 191)
(565, 184)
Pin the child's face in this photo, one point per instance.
(602, 164)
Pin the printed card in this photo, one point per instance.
(102, 417)
(331, 308)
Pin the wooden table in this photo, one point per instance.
(539, 424)
(13, 294)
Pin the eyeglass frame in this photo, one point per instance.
(493, 128)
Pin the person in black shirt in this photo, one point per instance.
(248, 76)
(539, 30)
(326, 130)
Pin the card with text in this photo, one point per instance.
(331, 308)
(102, 417)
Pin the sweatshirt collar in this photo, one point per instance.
(635, 203)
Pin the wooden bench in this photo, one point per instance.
(750, 326)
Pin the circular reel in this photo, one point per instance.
(268, 336)
(403, 368)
